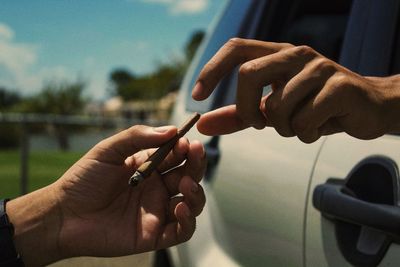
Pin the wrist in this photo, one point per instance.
(391, 87)
(387, 96)
(37, 221)
(8, 254)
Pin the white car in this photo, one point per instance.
(274, 201)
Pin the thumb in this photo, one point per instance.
(117, 148)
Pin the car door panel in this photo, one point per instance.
(257, 192)
(261, 183)
(339, 155)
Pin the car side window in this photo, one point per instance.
(229, 26)
(310, 22)
(318, 24)
(395, 64)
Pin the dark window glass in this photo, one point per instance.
(395, 65)
(318, 24)
(228, 26)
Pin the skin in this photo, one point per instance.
(92, 211)
(311, 95)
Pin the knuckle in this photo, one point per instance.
(338, 82)
(235, 43)
(321, 64)
(137, 128)
(248, 69)
(285, 46)
(236, 47)
(303, 50)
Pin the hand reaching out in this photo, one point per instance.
(93, 210)
(311, 95)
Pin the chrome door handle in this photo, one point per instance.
(335, 202)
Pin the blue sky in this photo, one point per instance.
(63, 39)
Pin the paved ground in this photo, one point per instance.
(142, 260)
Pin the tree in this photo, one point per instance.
(9, 133)
(193, 44)
(123, 84)
(8, 99)
(121, 77)
(164, 79)
(61, 98)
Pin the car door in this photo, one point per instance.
(260, 184)
(352, 212)
(206, 248)
(256, 184)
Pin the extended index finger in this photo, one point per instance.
(235, 52)
(220, 121)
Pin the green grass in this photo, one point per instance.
(44, 168)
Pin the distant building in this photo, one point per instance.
(159, 109)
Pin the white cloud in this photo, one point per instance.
(18, 62)
(177, 7)
(15, 59)
(189, 6)
(6, 32)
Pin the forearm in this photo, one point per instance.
(391, 103)
(37, 221)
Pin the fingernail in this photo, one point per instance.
(163, 129)
(197, 90)
(195, 187)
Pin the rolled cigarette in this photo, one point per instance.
(150, 165)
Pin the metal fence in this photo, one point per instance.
(25, 121)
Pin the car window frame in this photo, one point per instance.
(223, 90)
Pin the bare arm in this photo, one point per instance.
(91, 210)
(311, 95)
